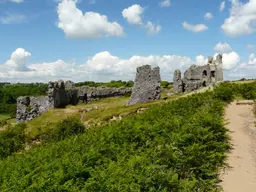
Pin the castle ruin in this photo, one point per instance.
(196, 77)
(59, 96)
(147, 85)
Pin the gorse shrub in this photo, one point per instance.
(12, 140)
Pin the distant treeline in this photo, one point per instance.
(113, 83)
(10, 92)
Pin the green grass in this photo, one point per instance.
(106, 109)
(4, 116)
(175, 146)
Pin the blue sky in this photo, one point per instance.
(39, 39)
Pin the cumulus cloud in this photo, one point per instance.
(201, 60)
(104, 66)
(230, 60)
(134, 14)
(245, 69)
(241, 20)
(194, 28)
(17, 61)
(223, 48)
(152, 29)
(165, 3)
(208, 16)
(222, 5)
(89, 25)
(13, 18)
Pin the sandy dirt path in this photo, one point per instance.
(241, 176)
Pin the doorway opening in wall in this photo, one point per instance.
(212, 73)
(204, 73)
(204, 84)
(85, 100)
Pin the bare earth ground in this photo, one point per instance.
(241, 176)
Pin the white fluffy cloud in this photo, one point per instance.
(245, 69)
(18, 60)
(194, 28)
(101, 67)
(89, 25)
(208, 16)
(222, 5)
(134, 14)
(104, 66)
(223, 48)
(165, 3)
(242, 19)
(230, 60)
(152, 29)
(201, 60)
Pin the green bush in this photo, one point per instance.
(65, 129)
(224, 92)
(12, 140)
(165, 84)
(178, 146)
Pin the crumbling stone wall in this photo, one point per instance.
(177, 82)
(59, 97)
(30, 107)
(94, 93)
(196, 77)
(147, 85)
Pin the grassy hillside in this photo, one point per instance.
(176, 146)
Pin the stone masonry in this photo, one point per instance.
(59, 97)
(147, 85)
(196, 77)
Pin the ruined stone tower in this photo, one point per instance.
(147, 85)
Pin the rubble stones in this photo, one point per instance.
(147, 85)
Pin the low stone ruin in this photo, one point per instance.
(147, 85)
(196, 77)
(59, 97)
(30, 107)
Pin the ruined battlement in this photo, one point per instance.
(196, 77)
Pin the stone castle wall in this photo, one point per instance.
(196, 77)
(147, 85)
(59, 97)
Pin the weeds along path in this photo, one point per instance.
(241, 175)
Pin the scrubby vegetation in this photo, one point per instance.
(175, 146)
(12, 140)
